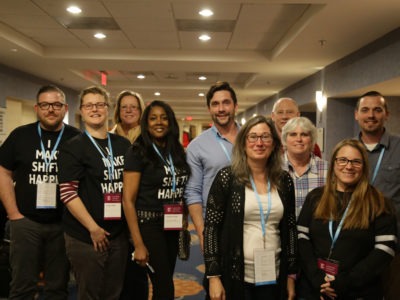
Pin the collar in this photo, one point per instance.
(312, 165)
(215, 130)
(384, 142)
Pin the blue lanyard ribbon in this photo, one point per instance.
(220, 141)
(169, 163)
(264, 218)
(338, 229)
(378, 165)
(110, 157)
(47, 161)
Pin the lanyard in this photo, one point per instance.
(378, 165)
(338, 229)
(110, 157)
(47, 161)
(170, 163)
(219, 139)
(264, 220)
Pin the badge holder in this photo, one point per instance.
(173, 216)
(112, 206)
(46, 195)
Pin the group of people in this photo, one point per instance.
(274, 220)
(107, 206)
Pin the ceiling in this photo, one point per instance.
(260, 47)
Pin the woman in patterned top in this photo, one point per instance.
(250, 224)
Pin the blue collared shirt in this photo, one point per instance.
(205, 156)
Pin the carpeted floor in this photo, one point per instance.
(189, 274)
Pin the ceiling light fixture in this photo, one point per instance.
(157, 94)
(202, 78)
(74, 10)
(100, 36)
(141, 76)
(201, 94)
(206, 12)
(204, 37)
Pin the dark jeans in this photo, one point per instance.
(262, 292)
(37, 247)
(136, 285)
(163, 249)
(99, 275)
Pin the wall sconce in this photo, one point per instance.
(243, 121)
(321, 100)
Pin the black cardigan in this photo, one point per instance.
(223, 233)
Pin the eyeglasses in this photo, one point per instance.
(98, 105)
(343, 161)
(253, 138)
(130, 107)
(54, 105)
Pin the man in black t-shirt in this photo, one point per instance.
(29, 192)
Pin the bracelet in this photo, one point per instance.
(213, 276)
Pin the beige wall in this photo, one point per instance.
(18, 112)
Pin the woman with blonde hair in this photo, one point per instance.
(127, 115)
(346, 231)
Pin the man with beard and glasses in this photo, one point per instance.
(211, 151)
(383, 154)
(28, 158)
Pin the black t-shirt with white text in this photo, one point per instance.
(22, 154)
(81, 161)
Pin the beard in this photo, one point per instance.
(223, 121)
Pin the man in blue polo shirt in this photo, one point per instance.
(211, 151)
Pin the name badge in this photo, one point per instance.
(264, 267)
(112, 206)
(46, 195)
(330, 267)
(173, 216)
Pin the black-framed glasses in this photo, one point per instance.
(130, 107)
(265, 138)
(54, 105)
(98, 105)
(343, 161)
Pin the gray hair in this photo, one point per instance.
(304, 124)
(280, 100)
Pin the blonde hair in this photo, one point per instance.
(121, 95)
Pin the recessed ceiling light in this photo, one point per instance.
(157, 94)
(74, 10)
(206, 12)
(202, 78)
(100, 36)
(14, 50)
(204, 37)
(141, 76)
(201, 94)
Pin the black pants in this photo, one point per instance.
(136, 285)
(262, 292)
(163, 249)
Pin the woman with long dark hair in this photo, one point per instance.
(155, 176)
